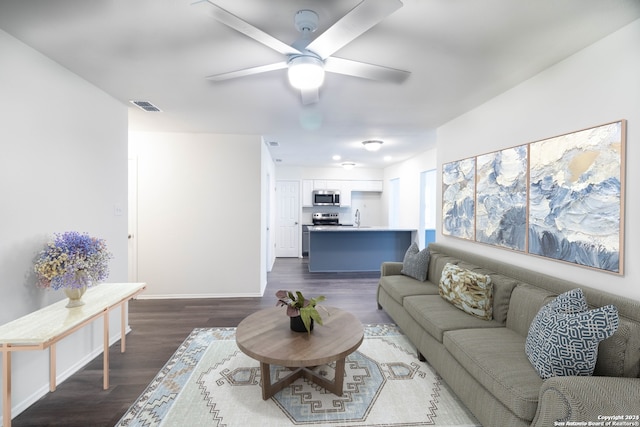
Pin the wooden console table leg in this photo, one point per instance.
(52, 368)
(123, 309)
(105, 365)
(6, 387)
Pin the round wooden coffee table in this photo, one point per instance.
(266, 336)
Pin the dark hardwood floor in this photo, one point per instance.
(160, 326)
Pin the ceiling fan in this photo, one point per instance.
(308, 59)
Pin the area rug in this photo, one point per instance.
(210, 382)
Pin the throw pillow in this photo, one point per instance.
(469, 291)
(564, 336)
(416, 262)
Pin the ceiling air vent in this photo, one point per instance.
(274, 143)
(146, 106)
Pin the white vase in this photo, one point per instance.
(75, 296)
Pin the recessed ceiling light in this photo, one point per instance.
(387, 158)
(372, 144)
(336, 157)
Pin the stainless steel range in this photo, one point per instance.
(325, 218)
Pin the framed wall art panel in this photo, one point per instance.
(576, 197)
(501, 198)
(458, 198)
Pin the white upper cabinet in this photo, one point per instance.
(367, 185)
(345, 188)
(307, 192)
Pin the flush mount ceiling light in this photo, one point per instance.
(306, 71)
(348, 165)
(372, 144)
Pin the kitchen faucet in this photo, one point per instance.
(357, 220)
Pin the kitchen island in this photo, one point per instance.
(365, 248)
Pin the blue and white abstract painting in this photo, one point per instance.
(458, 194)
(501, 198)
(575, 199)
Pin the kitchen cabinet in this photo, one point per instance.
(340, 249)
(307, 193)
(367, 185)
(345, 193)
(345, 188)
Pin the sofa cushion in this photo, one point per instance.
(469, 291)
(436, 265)
(525, 303)
(496, 359)
(400, 286)
(436, 316)
(416, 262)
(619, 355)
(563, 338)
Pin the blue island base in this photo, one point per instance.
(356, 250)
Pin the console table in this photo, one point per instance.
(42, 329)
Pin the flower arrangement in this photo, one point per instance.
(72, 260)
(298, 305)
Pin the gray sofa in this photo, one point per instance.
(484, 361)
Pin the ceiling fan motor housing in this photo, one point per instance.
(306, 20)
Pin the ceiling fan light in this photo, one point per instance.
(372, 145)
(306, 72)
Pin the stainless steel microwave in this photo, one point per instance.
(326, 198)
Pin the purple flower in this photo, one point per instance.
(72, 260)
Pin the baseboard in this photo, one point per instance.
(198, 296)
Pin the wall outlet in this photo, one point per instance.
(117, 210)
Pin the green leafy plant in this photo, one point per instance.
(298, 305)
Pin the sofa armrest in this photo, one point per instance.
(390, 268)
(587, 399)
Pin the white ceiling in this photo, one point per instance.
(460, 54)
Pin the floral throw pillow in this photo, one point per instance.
(564, 336)
(416, 262)
(469, 291)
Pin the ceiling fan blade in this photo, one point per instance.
(247, 71)
(364, 70)
(359, 19)
(230, 20)
(309, 96)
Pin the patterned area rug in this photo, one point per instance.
(210, 382)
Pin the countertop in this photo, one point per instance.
(363, 228)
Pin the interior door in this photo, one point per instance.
(288, 223)
(132, 213)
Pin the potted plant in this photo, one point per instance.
(300, 309)
(72, 261)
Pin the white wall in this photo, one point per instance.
(200, 209)
(408, 172)
(598, 85)
(268, 216)
(300, 173)
(63, 166)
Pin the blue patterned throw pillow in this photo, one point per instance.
(564, 336)
(416, 262)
